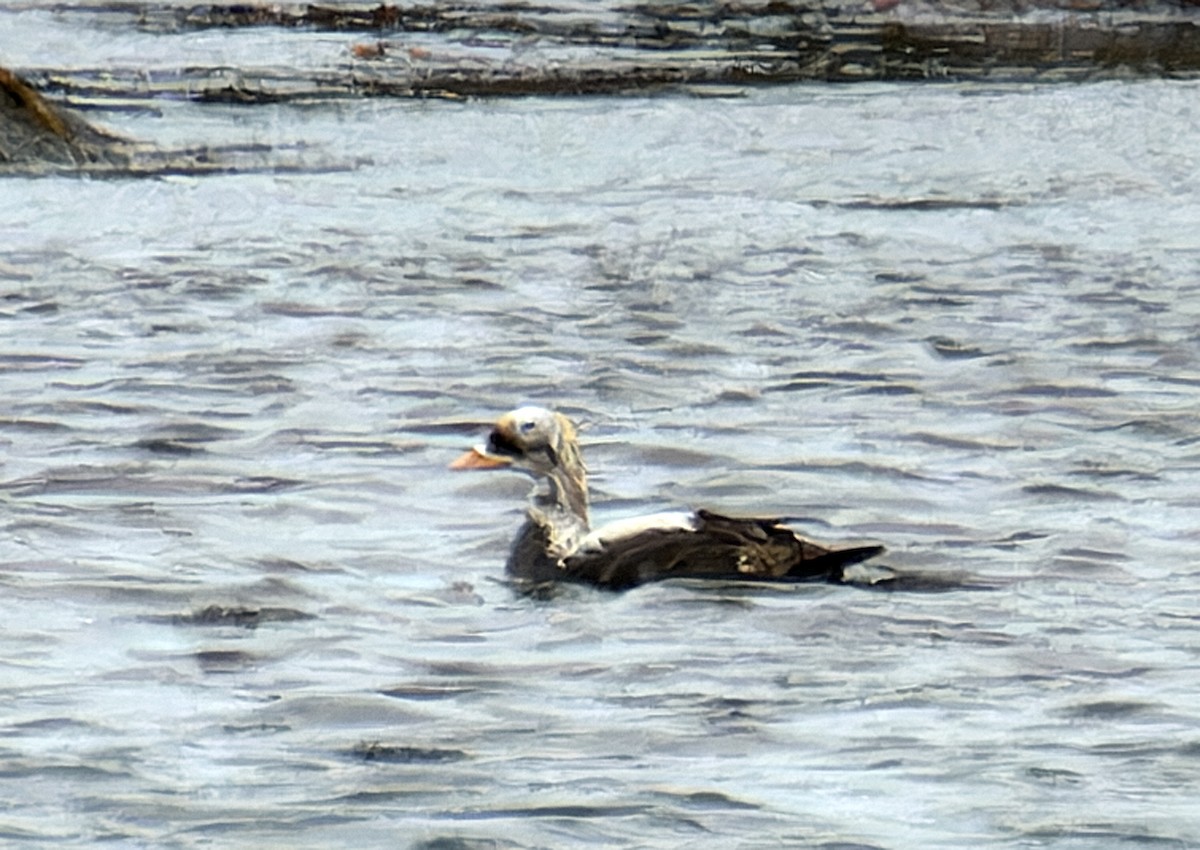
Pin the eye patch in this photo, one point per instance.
(501, 444)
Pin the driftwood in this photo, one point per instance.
(704, 45)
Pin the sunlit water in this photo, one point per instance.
(959, 321)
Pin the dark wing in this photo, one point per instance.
(713, 547)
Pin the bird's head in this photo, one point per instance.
(533, 440)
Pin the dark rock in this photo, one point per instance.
(34, 131)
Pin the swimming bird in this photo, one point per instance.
(557, 542)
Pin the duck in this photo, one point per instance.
(557, 543)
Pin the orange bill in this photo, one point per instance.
(475, 459)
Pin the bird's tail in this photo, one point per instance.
(832, 564)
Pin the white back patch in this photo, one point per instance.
(614, 532)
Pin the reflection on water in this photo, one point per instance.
(246, 606)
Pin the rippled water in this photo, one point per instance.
(245, 605)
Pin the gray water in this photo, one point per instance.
(244, 604)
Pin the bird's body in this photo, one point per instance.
(557, 542)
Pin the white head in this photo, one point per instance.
(543, 444)
(532, 439)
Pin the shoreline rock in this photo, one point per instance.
(34, 131)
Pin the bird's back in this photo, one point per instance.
(681, 545)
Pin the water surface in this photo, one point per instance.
(246, 605)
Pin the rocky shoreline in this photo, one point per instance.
(700, 47)
(33, 130)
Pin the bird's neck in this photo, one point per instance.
(563, 498)
(560, 510)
